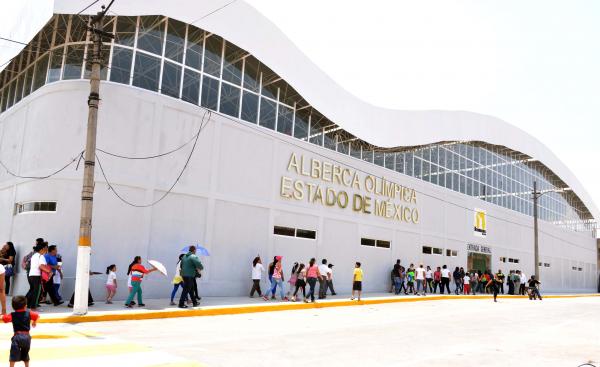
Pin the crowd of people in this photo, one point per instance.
(418, 281)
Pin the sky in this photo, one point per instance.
(534, 64)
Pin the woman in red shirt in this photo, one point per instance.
(312, 274)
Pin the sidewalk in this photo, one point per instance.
(214, 306)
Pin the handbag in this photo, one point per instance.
(45, 272)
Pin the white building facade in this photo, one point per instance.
(286, 163)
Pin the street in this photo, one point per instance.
(518, 332)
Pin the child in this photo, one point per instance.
(22, 320)
(410, 280)
(300, 282)
(293, 278)
(466, 284)
(357, 281)
(111, 283)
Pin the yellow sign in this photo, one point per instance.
(480, 223)
(385, 199)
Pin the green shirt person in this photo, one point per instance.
(190, 265)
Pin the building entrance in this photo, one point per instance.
(479, 262)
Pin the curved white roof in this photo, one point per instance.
(244, 26)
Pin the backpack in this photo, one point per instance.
(26, 262)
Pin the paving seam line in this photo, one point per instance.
(235, 310)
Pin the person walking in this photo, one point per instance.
(330, 279)
(437, 280)
(357, 278)
(277, 280)
(396, 277)
(137, 274)
(177, 280)
(52, 262)
(272, 286)
(300, 282)
(190, 266)
(466, 284)
(429, 279)
(292, 279)
(312, 274)
(510, 282)
(474, 282)
(7, 258)
(523, 285)
(257, 270)
(410, 280)
(461, 273)
(494, 286)
(533, 288)
(420, 277)
(500, 276)
(402, 280)
(457, 280)
(323, 279)
(38, 265)
(445, 279)
(111, 283)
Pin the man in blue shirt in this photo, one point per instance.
(52, 262)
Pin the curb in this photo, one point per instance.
(235, 310)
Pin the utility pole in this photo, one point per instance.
(82, 276)
(536, 250)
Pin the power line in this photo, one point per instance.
(13, 41)
(214, 11)
(78, 157)
(87, 7)
(194, 137)
(203, 123)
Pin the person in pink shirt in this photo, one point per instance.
(277, 280)
(312, 274)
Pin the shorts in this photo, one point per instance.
(19, 347)
(111, 287)
(357, 286)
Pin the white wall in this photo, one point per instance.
(228, 200)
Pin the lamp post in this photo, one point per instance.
(536, 250)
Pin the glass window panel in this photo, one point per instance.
(250, 107)
(355, 150)
(150, 36)
(285, 120)
(11, 94)
(268, 113)
(4, 99)
(171, 79)
(417, 172)
(125, 34)
(40, 72)
(55, 65)
(73, 62)
(46, 37)
(367, 155)
(232, 65)
(212, 55)
(455, 182)
(426, 171)
(121, 65)
(408, 164)
(78, 31)
(442, 158)
(287, 94)
(175, 40)
(105, 51)
(441, 178)
(301, 124)
(434, 155)
(146, 72)
(329, 139)
(378, 158)
(230, 100)
(390, 161)
(399, 162)
(269, 82)
(252, 73)
(193, 54)
(28, 80)
(190, 91)
(210, 93)
(61, 30)
(19, 91)
(343, 147)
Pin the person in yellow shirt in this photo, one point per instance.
(357, 281)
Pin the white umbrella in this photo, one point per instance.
(159, 266)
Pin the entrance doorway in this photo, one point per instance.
(479, 262)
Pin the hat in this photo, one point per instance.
(278, 257)
(331, 265)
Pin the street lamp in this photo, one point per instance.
(536, 250)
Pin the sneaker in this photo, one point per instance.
(142, 305)
(335, 294)
(183, 306)
(272, 297)
(351, 298)
(109, 302)
(285, 299)
(196, 304)
(59, 303)
(128, 306)
(173, 303)
(265, 298)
